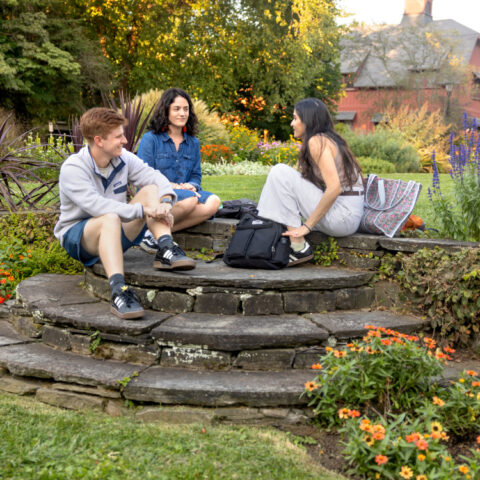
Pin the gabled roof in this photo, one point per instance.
(381, 55)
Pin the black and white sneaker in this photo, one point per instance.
(172, 257)
(304, 255)
(126, 304)
(149, 243)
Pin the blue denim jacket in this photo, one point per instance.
(158, 150)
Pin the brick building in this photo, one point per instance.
(415, 62)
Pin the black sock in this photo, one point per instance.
(116, 282)
(164, 240)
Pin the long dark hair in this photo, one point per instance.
(159, 122)
(316, 117)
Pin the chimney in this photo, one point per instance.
(417, 12)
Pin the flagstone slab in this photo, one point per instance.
(351, 324)
(36, 360)
(207, 388)
(236, 332)
(47, 288)
(139, 271)
(59, 300)
(413, 244)
(8, 335)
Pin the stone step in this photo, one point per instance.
(67, 317)
(217, 288)
(157, 384)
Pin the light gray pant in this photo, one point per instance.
(287, 198)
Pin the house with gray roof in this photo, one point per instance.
(418, 61)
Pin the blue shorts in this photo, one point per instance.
(183, 194)
(72, 243)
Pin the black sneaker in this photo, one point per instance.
(304, 255)
(148, 243)
(126, 304)
(172, 257)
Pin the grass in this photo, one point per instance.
(39, 442)
(230, 187)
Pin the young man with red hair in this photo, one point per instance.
(97, 223)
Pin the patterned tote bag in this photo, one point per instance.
(388, 204)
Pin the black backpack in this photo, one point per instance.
(258, 243)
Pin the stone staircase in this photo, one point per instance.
(217, 344)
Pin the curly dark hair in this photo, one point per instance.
(316, 117)
(159, 121)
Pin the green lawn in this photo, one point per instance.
(38, 442)
(230, 187)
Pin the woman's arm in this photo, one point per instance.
(322, 151)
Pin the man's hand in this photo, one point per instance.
(161, 213)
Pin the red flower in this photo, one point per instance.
(381, 459)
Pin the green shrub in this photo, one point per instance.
(28, 247)
(446, 286)
(387, 371)
(375, 165)
(243, 142)
(384, 145)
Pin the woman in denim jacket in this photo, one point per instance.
(171, 147)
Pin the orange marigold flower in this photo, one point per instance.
(310, 386)
(328, 349)
(1, 300)
(406, 472)
(444, 436)
(339, 353)
(421, 444)
(353, 413)
(381, 459)
(421, 457)
(463, 469)
(374, 333)
(11, 278)
(365, 425)
(436, 435)
(316, 366)
(21, 257)
(478, 439)
(413, 437)
(448, 350)
(370, 350)
(421, 477)
(438, 401)
(3, 281)
(386, 341)
(472, 373)
(370, 327)
(475, 384)
(350, 345)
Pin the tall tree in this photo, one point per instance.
(256, 57)
(41, 59)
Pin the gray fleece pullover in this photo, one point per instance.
(85, 193)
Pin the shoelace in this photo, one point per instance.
(130, 296)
